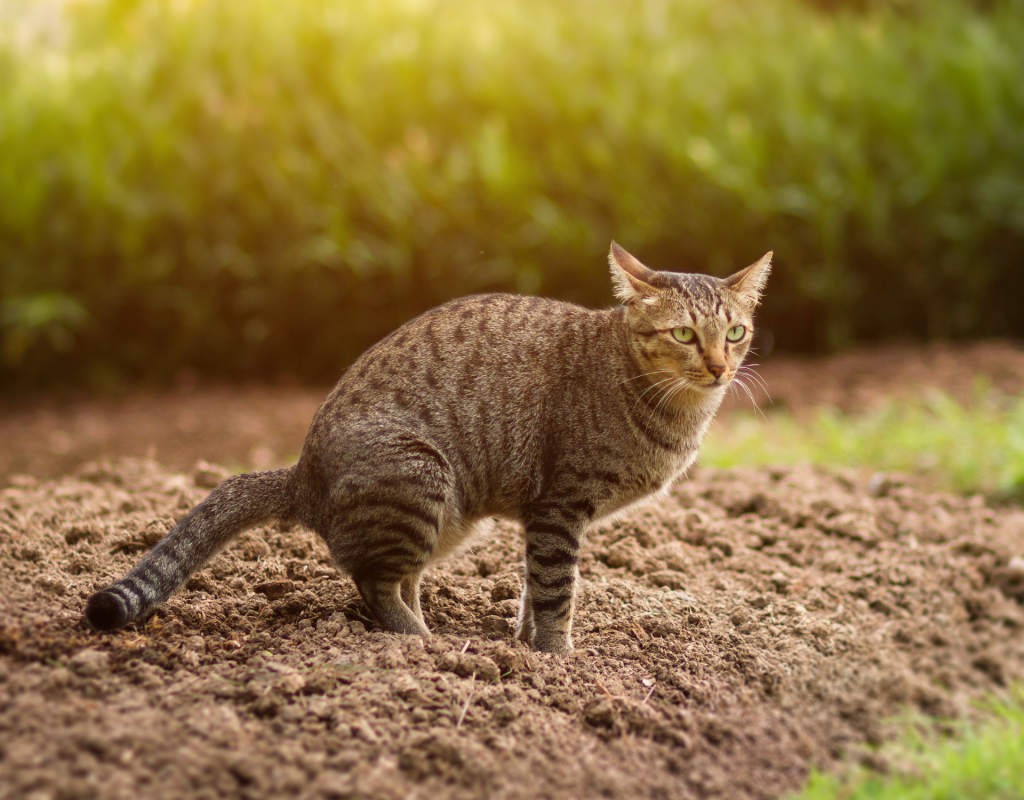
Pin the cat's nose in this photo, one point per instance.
(716, 369)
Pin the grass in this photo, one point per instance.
(970, 448)
(984, 762)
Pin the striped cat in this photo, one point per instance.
(534, 410)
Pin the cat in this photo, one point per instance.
(530, 409)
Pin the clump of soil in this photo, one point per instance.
(748, 626)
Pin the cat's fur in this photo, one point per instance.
(533, 410)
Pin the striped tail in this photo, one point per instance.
(241, 502)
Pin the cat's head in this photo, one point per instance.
(686, 326)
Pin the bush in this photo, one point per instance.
(256, 188)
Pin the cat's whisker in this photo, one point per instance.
(664, 398)
(665, 394)
(740, 385)
(757, 380)
(672, 391)
(656, 372)
(684, 385)
(748, 371)
(652, 386)
(739, 382)
(764, 387)
(665, 391)
(737, 386)
(643, 375)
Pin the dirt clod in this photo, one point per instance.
(89, 662)
(274, 590)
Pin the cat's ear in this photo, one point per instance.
(631, 280)
(749, 282)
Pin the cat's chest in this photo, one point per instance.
(643, 483)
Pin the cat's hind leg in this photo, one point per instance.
(386, 561)
(385, 601)
(392, 499)
(410, 592)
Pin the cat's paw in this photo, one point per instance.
(558, 643)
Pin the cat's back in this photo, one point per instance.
(475, 348)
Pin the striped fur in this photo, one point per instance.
(534, 410)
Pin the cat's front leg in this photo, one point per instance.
(549, 594)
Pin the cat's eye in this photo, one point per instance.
(684, 335)
(735, 334)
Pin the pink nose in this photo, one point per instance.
(716, 370)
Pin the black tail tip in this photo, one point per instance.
(105, 611)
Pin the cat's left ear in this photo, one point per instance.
(748, 283)
(631, 280)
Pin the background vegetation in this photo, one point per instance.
(981, 761)
(972, 448)
(258, 188)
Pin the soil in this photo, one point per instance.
(751, 625)
(748, 626)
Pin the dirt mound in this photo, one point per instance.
(750, 625)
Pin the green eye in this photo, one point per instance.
(735, 334)
(684, 335)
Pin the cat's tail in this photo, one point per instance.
(241, 502)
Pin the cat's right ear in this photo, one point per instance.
(631, 280)
(749, 283)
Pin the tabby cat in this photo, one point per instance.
(534, 410)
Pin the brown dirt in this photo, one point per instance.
(748, 626)
(244, 427)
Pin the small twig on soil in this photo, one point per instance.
(601, 686)
(465, 708)
(465, 647)
(649, 693)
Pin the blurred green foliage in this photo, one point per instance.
(981, 760)
(974, 448)
(262, 187)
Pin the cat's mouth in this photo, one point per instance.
(715, 383)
